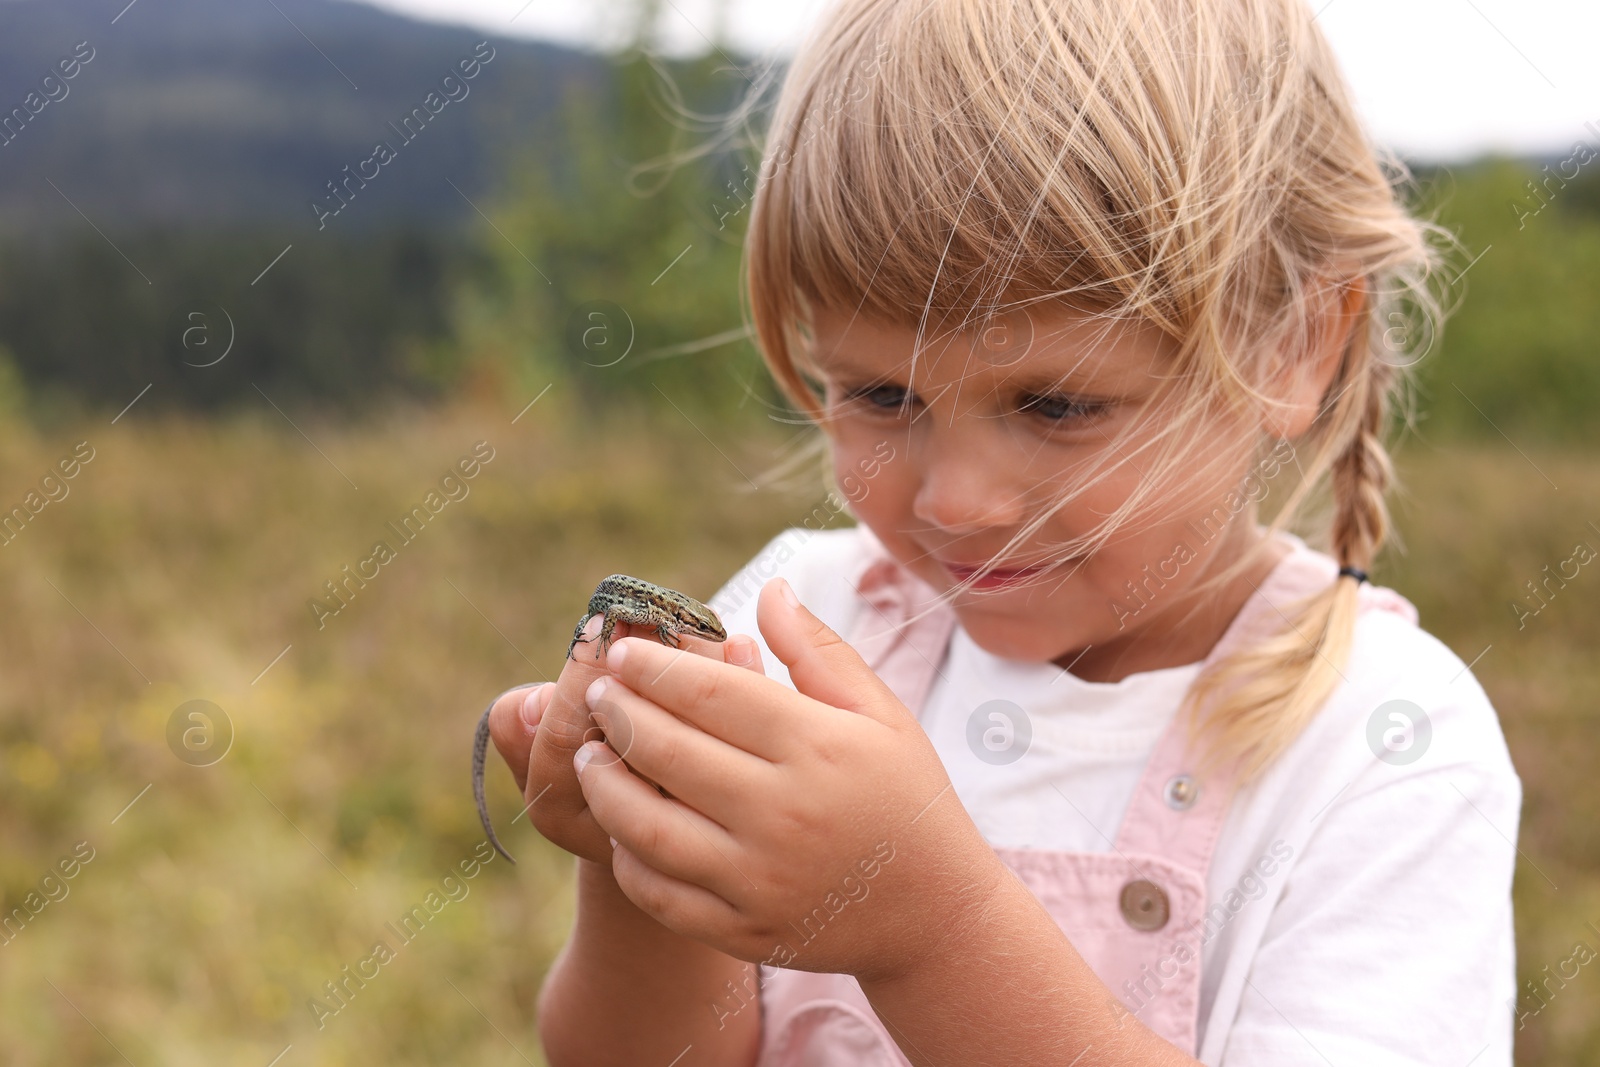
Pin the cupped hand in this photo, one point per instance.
(538, 729)
(812, 828)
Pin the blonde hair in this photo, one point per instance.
(1194, 166)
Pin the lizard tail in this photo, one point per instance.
(480, 749)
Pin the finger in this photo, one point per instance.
(821, 664)
(705, 772)
(746, 710)
(512, 721)
(682, 907)
(554, 800)
(667, 834)
(714, 650)
(742, 650)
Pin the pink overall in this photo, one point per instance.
(1134, 913)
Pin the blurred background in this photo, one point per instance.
(237, 343)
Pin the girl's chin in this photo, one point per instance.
(1015, 640)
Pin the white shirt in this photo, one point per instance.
(1382, 935)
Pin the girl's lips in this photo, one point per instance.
(995, 579)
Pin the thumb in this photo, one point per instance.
(821, 664)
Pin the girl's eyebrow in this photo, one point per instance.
(1072, 382)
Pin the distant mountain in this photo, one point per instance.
(237, 113)
(206, 113)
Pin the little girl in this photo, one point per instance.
(1060, 756)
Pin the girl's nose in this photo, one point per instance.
(965, 483)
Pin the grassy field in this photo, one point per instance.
(179, 567)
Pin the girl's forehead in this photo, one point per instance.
(1036, 345)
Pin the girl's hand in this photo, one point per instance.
(538, 729)
(814, 830)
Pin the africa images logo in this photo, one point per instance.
(1399, 732)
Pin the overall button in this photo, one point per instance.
(1144, 905)
(1182, 792)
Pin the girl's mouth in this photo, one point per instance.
(999, 578)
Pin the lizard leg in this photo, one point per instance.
(606, 630)
(577, 635)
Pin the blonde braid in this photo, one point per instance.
(1262, 697)
(1362, 474)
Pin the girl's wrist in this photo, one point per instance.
(626, 989)
(953, 920)
(601, 901)
(606, 916)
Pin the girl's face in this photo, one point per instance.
(994, 425)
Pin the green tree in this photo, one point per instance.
(1517, 357)
(617, 256)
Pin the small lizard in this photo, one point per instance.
(618, 598)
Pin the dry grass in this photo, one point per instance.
(226, 897)
(1479, 523)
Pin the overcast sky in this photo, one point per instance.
(1435, 79)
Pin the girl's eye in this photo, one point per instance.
(1062, 408)
(883, 397)
(1052, 408)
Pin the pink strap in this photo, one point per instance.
(902, 632)
(1173, 813)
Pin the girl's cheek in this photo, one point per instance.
(871, 485)
(857, 466)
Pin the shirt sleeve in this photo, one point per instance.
(1392, 943)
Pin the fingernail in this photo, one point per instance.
(533, 709)
(592, 628)
(613, 842)
(615, 655)
(596, 690)
(741, 652)
(581, 759)
(788, 593)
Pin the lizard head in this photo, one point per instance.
(700, 619)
